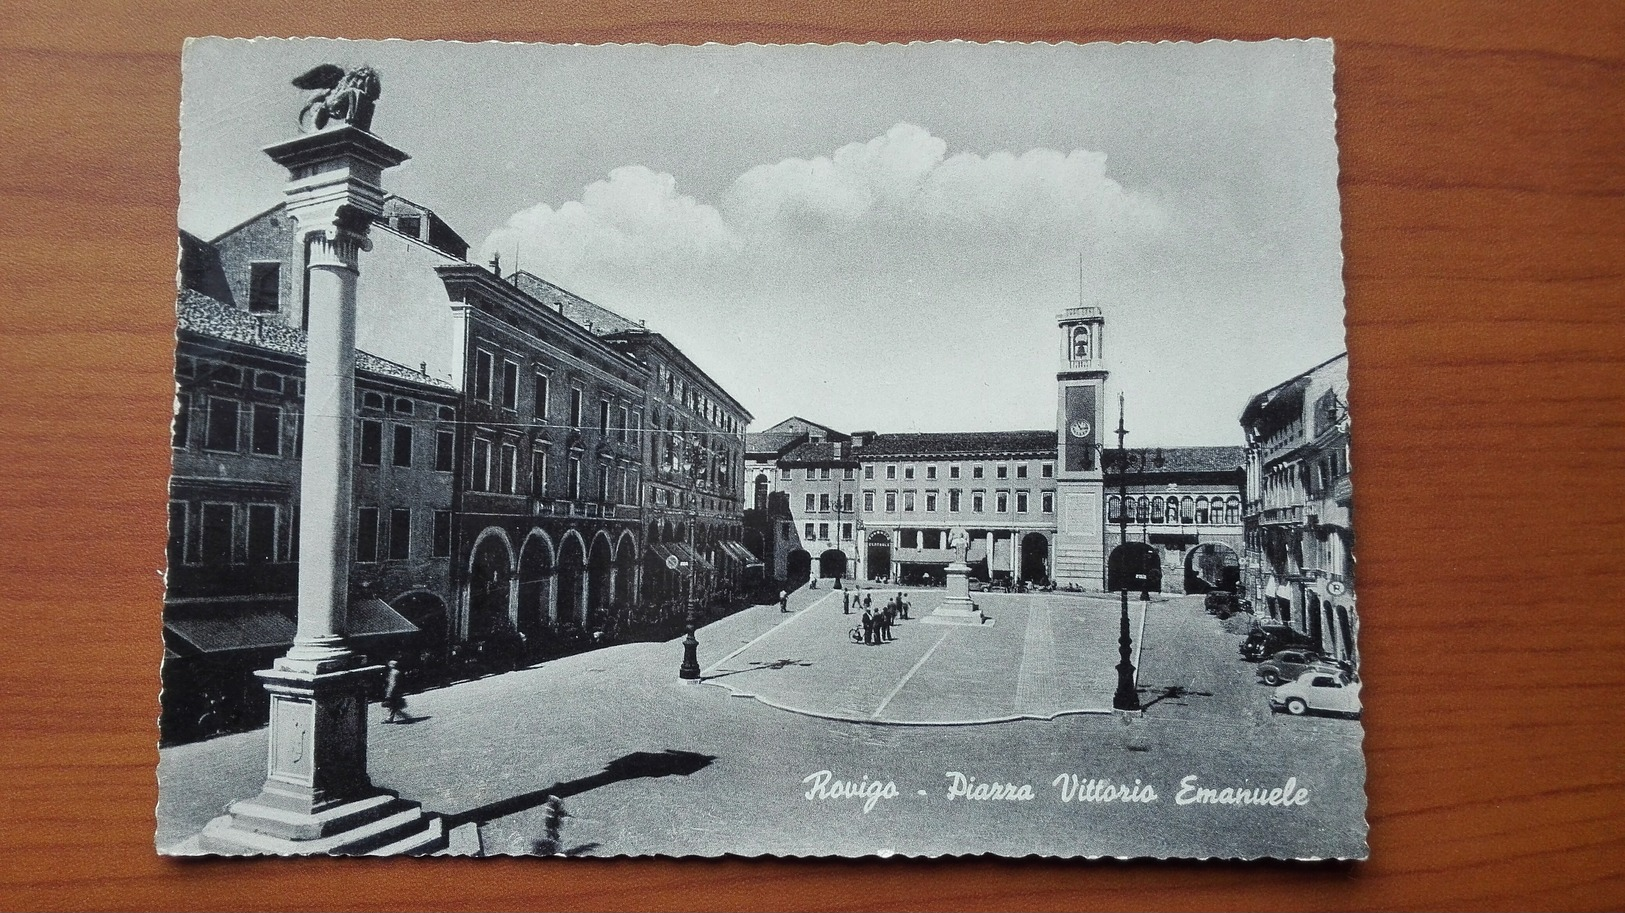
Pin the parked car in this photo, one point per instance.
(1270, 637)
(1287, 665)
(1318, 690)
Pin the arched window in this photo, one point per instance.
(1232, 510)
(1157, 510)
(761, 491)
(1142, 510)
(1187, 509)
(1080, 343)
(1114, 509)
(1201, 510)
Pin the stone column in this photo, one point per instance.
(318, 797)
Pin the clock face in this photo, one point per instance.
(1080, 428)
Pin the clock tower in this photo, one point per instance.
(1079, 485)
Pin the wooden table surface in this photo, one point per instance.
(1483, 169)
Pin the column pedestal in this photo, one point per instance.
(957, 608)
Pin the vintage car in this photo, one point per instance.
(1270, 637)
(1316, 690)
(1287, 665)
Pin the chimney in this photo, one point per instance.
(496, 264)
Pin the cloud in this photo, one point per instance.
(902, 191)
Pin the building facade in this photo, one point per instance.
(1187, 508)
(1299, 510)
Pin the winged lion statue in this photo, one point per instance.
(338, 95)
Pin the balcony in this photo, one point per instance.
(1343, 490)
(1282, 516)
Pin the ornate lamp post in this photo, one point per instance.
(690, 668)
(1125, 461)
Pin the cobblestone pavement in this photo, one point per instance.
(647, 764)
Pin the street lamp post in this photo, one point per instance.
(1127, 697)
(690, 669)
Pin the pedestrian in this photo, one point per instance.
(905, 608)
(867, 601)
(886, 624)
(784, 601)
(394, 700)
(868, 627)
(846, 603)
(813, 585)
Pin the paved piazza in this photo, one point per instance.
(1043, 656)
(648, 764)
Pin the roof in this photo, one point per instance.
(198, 313)
(795, 424)
(1199, 459)
(600, 320)
(1288, 393)
(958, 444)
(816, 452)
(771, 442)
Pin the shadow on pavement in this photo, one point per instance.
(637, 765)
(757, 666)
(1173, 693)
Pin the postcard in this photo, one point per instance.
(918, 450)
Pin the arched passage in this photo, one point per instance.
(1035, 558)
(490, 582)
(1345, 630)
(428, 612)
(626, 571)
(798, 567)
(572, 582)
(600, 568)
(1212, 566)
(832, 563)
(536, 609)
(879, 556)
(1134, 566)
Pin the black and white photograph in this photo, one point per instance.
(917, 450)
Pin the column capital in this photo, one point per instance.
(334, 187)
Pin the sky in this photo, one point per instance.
(874, 237)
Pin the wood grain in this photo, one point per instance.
(1483, 157)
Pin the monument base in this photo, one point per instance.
(379, 825)
(956, 607)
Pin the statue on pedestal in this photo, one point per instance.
(338, 95)
(959, 543)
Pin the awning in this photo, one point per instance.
(693, 557)
(229, 627)
(687, 559)
(737, 551)
(977, 551)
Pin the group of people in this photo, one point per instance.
(876, 625)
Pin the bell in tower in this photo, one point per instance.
(1080, 389)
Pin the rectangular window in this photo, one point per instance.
(891, 472)
(869, 501)
(1001, 502)
(1048, 502)
(183, 422)
(264, 288)
(1003, 471)
(823, 503)
(402, 454)
(261, 533)
(931, 502)
(441, 547)
(400, 533)
(510, 385)
(846, 501)
(603, 484)
(931, 472)
(219, 522)
(539, 407)
(538, 473)
(891, 502)
(784, 472)
(575, 408)
(953, 500)
(482, 376)
(978, 501)
(823, 531)
(1047, 470)
(510, 469)
(849, 473)
(812, 503)
(1021, 502)
(931, 538)
(868, 472)
(953, 472)
(908, 473)
(445, 444)
(846, 531)
(976, 472)
(366, 534)
(908, 500)
(293, 535)
(222, 432)
(823, 473)
(177, 533)
(603, 417)
(625, 429)
(267, 432)
(810, 529)
(372, 442)
(1021, 470)
(575, 479)
(482, 465)
(908, 538)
